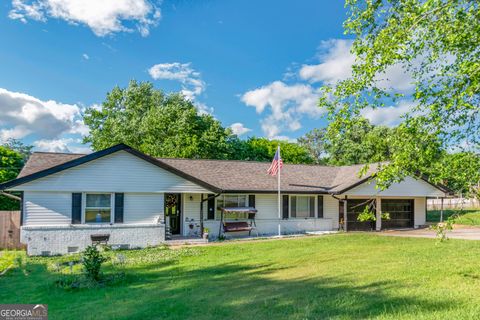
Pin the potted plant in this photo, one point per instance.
(205, 233)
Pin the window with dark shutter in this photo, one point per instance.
(211, 207)
(251, 200)
(320, 206)
(119, 199)
(76, 208)
(285, 207)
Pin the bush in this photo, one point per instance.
(92, 261)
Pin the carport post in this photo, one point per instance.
(441, 209)
(378, 213)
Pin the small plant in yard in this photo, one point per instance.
(442, 228)
(92, 261)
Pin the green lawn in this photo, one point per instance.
(345, 276)
(467, 217)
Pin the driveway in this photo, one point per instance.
(458, 232)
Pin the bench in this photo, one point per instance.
(100, 238)
(237, 226)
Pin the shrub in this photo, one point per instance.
(92, 261)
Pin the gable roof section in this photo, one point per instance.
(43, 164)
(220, 176)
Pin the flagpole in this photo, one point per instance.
(279, 197)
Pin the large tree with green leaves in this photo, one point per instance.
(262, 149)
(437, 43)
(11, 162)
(159, 124)
(360, 143)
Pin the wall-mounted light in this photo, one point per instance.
(191, 198)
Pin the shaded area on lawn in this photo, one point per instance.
(341, 276)
(466, 217)
(230, 291)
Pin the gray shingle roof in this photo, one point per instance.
(236, 176)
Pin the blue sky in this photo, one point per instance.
(256, 65)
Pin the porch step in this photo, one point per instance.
(176, 241)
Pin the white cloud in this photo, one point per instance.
(102, 16)
(287, 104)
(85, 56)
(387, 116)
(336, 64)
(60, 145)
(52, 124)
(21, 115)
(239, 129)
(191, 81)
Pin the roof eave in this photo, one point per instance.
(99, 154)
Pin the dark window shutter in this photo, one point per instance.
(312, 207)
(76, 208)
(320, 206)
(285, 207)
(293, 207)
(251, 200)
(119, 207)
(211, 207)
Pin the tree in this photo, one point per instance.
(436, 43)
(11, 162)
(161, 125)
(360, 142)
(262, 149)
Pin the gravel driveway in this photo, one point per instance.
(459, 232)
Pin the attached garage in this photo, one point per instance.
(401, 213)
(354, 208)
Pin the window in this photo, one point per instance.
(302, 206)
(230, 201)
(98, 208)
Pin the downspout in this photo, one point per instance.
(344, 210)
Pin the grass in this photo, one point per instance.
(10, 259)
(466, 217)
(344, 276)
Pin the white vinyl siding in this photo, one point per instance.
(330, 210)
(47, 208)
(117, 172)
(143, 208)
(409, 187)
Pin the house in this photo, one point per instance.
(136, 200)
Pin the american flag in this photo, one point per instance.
(276, 165)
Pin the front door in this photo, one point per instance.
(173, 211)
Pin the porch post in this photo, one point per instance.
(345, 224)
(378, 213)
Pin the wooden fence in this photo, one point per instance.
(453, 204)
(10, 230)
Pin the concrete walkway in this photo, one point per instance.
(458, 232)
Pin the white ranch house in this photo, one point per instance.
(68, 200)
